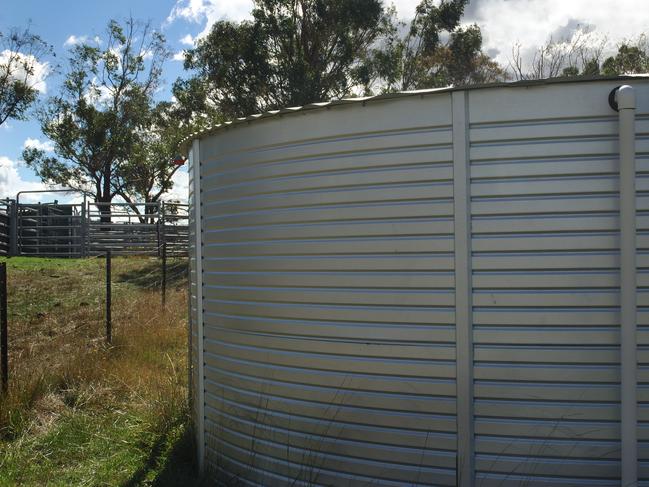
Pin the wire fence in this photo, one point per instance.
(57, 309)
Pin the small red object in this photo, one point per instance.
(179, 161)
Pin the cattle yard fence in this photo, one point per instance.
(89, 229)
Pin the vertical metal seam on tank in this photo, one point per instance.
(198, 201)
(463, 322)
(625, 99)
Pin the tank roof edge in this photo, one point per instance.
(185, 143)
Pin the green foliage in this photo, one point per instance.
(591, 68)
(104, 103)
(297, 52)
(20, 54)
(630, 59)
(291, 53)
(570, 71)
(148, 171)
(436, 51)
(581, 56)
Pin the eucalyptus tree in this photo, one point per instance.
(148, 173)
(433, 49)
(291, 53)
(103, 105)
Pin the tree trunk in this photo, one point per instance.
(105, 197)
(151, 211)
(103, 205)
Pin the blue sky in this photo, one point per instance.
(503, 23)
(56, 21)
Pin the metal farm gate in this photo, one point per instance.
(174, 227)
(50, 229)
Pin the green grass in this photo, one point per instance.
(80, 412)
(109, 448)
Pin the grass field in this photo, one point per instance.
(80, 411)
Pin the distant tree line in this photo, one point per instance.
(112, 137)
(580, 55)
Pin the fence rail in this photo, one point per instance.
(89, 228)
(124, 228)
(6, 208)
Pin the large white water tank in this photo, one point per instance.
(423, 289)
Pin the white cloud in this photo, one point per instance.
(99, 94)
(74, 40)
(179, 56)
(46, 146)
(11, 182)
(532, 22)
(206, 12)
(188, 40)
(405, 8)
(35, 74)
(180, 191)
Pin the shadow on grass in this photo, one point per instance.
(150, 275)
(169, 464)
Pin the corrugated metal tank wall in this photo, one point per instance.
(328, 296)
(545, 237)
(193, 292)
(329, 303)
(642, 220)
